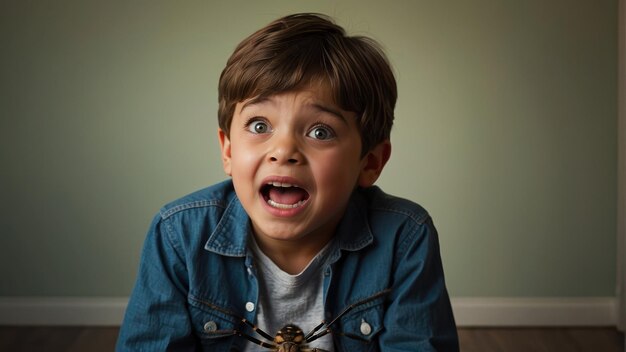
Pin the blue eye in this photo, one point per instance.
(258, 126)
(321, 133)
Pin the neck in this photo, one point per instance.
(291, 256)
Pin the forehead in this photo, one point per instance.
(317, 90)
(316, 97)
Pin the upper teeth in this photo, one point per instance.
(281, 184)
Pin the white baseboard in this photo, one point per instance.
(57, 311)
(526, 312)
(469, 312)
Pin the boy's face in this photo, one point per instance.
(295, 158)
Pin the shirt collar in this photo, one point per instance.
(354, 231)
(231, 234)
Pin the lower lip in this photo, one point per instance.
(284, 213)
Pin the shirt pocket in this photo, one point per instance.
(213, 324)
(359, 329)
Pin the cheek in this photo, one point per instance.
(244, 158)
(244, 165)
(338, 170)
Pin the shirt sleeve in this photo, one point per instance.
(157, 318)
(419, 316)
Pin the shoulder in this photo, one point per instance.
(195, 217)
(211, 218)
(382, 206)
(215, 197)
(396, 223)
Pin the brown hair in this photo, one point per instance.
(292, 51)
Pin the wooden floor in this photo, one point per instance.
(540, 340)
(78, 339)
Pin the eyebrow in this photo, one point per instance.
(330, 110)
(253, 101)
(316, 105)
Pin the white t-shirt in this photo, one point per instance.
(290, 299)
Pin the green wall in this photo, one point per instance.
(505, 131)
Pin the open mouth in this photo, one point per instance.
(282, 195)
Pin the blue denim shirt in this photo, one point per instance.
(197, 278)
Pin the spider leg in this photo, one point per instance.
(352, 306)
(254, 340)
(258, 330)
(315, 329)
(317, 336)
(312, 336)
(242, 334)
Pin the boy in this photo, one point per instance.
(299, 235)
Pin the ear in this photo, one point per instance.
(373, 163)
(225, 147)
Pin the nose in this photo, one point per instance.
(285, 150)
(289, 160)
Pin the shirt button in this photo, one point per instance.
(210, 326)
(250, 306)
(366, 328)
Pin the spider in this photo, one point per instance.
(290, 338)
